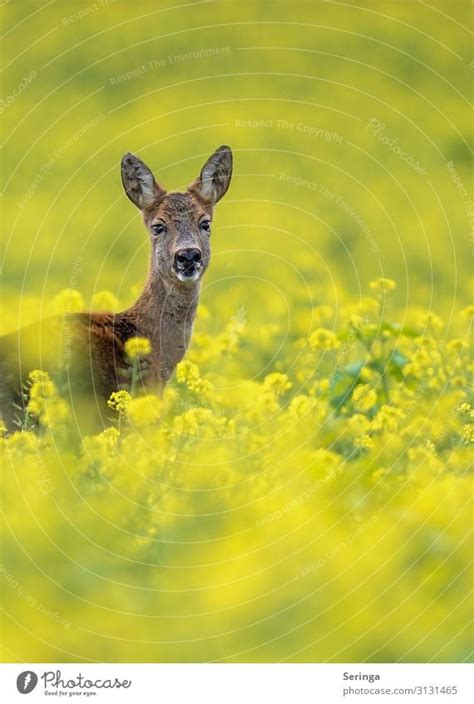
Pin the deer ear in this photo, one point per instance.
(139, 182)
(215, 176)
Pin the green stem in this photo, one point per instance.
(383, 376)
(369, 348)
(386, 387)
(135, 375)
(26, 420)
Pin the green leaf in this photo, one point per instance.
(398, 359)
(341, 399)
(398, 329)
(354, 369)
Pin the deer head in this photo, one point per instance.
(179, 223)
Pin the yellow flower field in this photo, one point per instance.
(302, 490)
(315, 513)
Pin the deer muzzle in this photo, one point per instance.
(188, 264)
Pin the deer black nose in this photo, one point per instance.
(187, 257)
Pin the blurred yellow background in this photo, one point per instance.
(281, 532)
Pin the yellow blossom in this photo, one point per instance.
(378, 474)
(301, 406)
(421, 452)
(357, 322)
(100, 447)
(322, 314)
(388, 419)
(383, 286)
(323, 339)
(137, 347)
(41, 390)
(104, 300)
(143, 410)
(119, 401)
(262, 406)
(367, 374)
(188, 373)
(232, 333)
(109, 437)
(201, 422)
(364, 398)
(68, 301)
(458, 381)
(428, 320)
(465, 408)
(202, 312)
(364, 442)
(55, 412)
(278, 383)
(37, 376)
(456, 345)
(320, 387)
(358, 424)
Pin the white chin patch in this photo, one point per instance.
(188, 279)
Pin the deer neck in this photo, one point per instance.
(164, 313)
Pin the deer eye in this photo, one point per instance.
(159, 228)
(206, 226)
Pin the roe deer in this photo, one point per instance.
(179, 225)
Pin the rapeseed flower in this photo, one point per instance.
(239, 475)
(383, 286)
(468, 312)
(364, 398)
(68, 301)
(388, 419)
(143, 410)
(188, 373)
(104, 300)
(137, 347)
(301, 406)
(119, 401)
(323, 339)
(278, 383)
(41, 390)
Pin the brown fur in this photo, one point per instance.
(164, 313)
